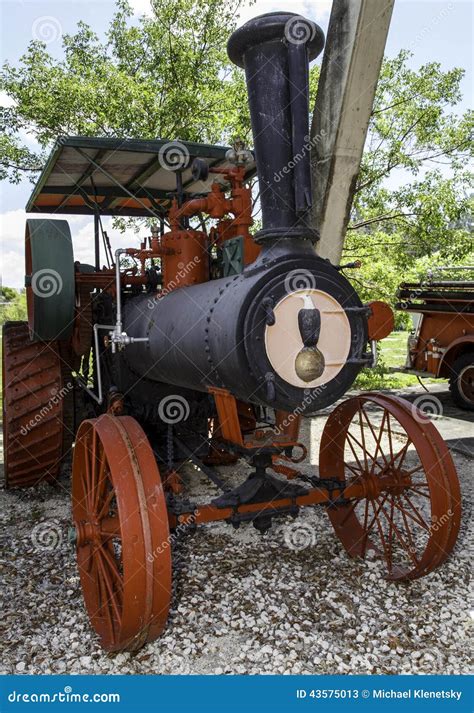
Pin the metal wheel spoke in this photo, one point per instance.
(402, 453)
(109, 587)
(415, 470)
(351, 435)
(409, 532)
(380, 531)
(390, 534)
(104, 508)
(419, 492)
(364, 527)
(103, 600)
(376, 439)
(362, 437)
(406, 547)
(101, 480)
(355, 454)
(419, 521)
(356, 472)
(88, 483)
(113, 568)
(423, 522)
(389, 434)
(372, 522)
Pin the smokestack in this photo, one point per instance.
(275, 50)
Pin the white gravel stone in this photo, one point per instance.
(242, 603)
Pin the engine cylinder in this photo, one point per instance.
(241, 333)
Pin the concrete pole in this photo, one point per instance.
(351, 66)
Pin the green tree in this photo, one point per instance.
(414, 130)
(14, 308)
(166, 76)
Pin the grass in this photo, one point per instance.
(393, 353)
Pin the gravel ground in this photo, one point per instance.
(242, 602)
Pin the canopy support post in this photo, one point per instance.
(97, 240)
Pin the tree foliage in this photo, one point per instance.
(12, 305)
(164, 76)
(168, 76)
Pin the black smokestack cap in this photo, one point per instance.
(275, 26)
(275, 50)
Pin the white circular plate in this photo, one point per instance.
(283, 340)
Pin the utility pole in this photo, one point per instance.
(350, 70)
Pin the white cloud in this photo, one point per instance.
(5, 100)
(318, 11)
(141, 7)
(12, 228)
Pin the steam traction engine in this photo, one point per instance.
(209, 345)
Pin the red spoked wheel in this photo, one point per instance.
(406, 506)
(122, 533)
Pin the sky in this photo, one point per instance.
(434, 30)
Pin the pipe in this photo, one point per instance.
(275, 50)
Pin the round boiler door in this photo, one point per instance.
(283, 341)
